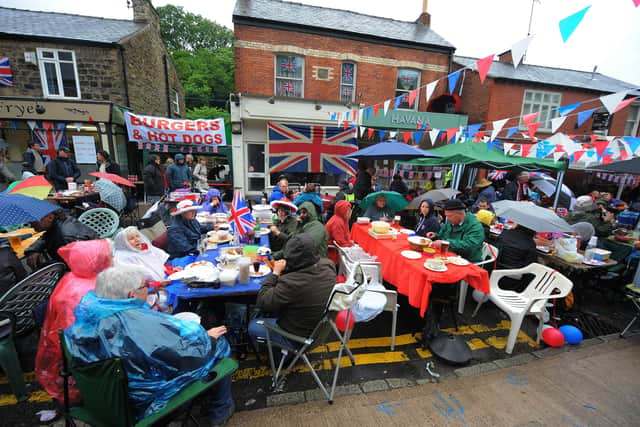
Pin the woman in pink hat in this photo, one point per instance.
(184, 232)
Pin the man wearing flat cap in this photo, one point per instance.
(462, 230)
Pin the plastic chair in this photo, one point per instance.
(546, 284)
(373, 271)
(343, 297)
(489, 256)
(633, 294)
(103, 221)
(103, 386)
(16, 318)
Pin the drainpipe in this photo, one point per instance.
(124, 77)
(166, 84)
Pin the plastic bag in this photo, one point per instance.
(567, 249)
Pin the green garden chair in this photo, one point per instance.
(103, 221)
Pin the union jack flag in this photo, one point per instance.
(347, 73)
(50, 137)
(241, 218)
(496, 174)
(303, 148)
(289, 65)
(6, 77)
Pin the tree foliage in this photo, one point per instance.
(182, 30)
(208, 113)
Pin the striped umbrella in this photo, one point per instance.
(35, 186)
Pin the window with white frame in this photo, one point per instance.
(631, 127)
(289, 76)
(58, 73)
(408, 80)
(546, 103)
(347, 82)
(175, 101)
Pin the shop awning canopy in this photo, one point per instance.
(480, 155)
(631, 166)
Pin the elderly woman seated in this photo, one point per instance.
(379, 210)
(161, 354)
(184, 231)
(285, 225)
(133, 248)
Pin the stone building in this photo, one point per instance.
(74, 76)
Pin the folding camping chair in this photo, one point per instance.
(343, 297)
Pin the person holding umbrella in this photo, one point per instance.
(587, 211)
(462, 231)
(379, 209)
(382, 205)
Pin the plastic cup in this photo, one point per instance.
(444, 247)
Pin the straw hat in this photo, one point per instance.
(484, 182)
(285, 203)
(184, 206)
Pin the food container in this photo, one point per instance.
(363, 220)
(244, 263)
(600, 255)
(262, 213)
(228, 277)
(250, 251)
(380, 227)
(418, 243)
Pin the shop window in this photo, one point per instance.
(289, 76)
(408, 80)
(58, 73)
(255, 167)
(546, 103)
(347, 82)
(631, 127)
(175, 101)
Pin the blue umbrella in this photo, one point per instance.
(19, 209)
(111, 194)
(390, 150)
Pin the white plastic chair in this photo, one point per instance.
(532, 300)
(489, 255)
(373, 271)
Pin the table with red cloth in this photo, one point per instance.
(410, 276)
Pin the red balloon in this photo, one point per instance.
(553, 337)
(341, 320)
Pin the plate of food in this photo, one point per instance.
(199, 264)
(262, 271)
(434, 264)
(593, 262)
(407, 231)
(456, 260)
(411, 254)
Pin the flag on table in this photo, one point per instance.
(303, 148)
(6, 77)
(241, 218)
(49, 135)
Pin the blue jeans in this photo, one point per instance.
(258, 331)
(220, 401)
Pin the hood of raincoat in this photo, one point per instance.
(341, 208)
(179, 157)
(87, 258)
(431, 207)
(311, 210)
(300, 252)
(151, 259)
(206, 204)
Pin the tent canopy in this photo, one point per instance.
(631, 166)
(480, 155)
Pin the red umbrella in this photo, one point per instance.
(116, 179)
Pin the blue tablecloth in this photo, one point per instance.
(177, 290)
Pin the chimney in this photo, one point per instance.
(424, 18)
(507, 57)
(145, 13)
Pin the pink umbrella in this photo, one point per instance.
(116, 179)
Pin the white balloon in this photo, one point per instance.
(480, 297)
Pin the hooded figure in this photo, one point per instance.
(429, 222)
(133, 248)
(313, 227)
(178, 174)
(310, 195)
(85, 259)
(338, 228)
(208, 204)
(285, 226)
(344, 193)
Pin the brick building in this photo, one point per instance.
(77, 74)
(296, 63)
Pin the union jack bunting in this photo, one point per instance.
(49, 135)
(241, 218)
(316, 149)
(6, 77)
(496, 174)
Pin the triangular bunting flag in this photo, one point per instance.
(507, 147)
(385, 106)
(557, 155)
(480, 135)
(601, 146)
(636, 2)
(417, 136)
(473, 129)
(556, 122)
(397, 102)
(332, 116)
(429, 90)
(484, 65)
(451, 134)
(624, 103)
(611, 101)
(340, 119)
(583, 116)
(406, 136)
(570, 23)
(382, 134)
(511, 131)
(453, 80)
(528, 118)
(412, 96)
(518, 50)
(624, 155)
(577, 155)
(392, 134)
(375, 109)
(525, 149)
(634, 143)
(566, 109)
(533, 128)
(370, 133)
(367, 112)
(607, 159)
(497, 127)
(433, 135)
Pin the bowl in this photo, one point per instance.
(434, 263)
(418, 243)
(222, 234)
(363, 220)
(380, 227)
(228, 277)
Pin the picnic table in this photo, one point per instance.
(410, 276)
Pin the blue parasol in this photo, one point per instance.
(19, 209)
(390, 150)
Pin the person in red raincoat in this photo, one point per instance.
(338, 229)
(85, 259)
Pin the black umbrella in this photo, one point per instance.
(631, 166)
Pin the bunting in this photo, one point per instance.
(569, 24)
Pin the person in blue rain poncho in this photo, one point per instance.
(213, 203)
(161, 354)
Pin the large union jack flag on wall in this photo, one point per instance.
(50, 136)
(241, 218)
(304, 148)
(6, 77)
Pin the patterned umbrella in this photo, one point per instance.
(35, 186)
(113, 178)
(111, 194)
(19, 209)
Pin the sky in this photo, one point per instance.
(608, 37)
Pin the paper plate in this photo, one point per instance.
(457, 260)
(187, 316)
(411, 254)
(434, 269)
(407, 231)
(594, 262)
(200, 264)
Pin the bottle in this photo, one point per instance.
(236, 238)
(588, 253)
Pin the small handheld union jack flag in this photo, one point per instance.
(241, 218)
(496, 174)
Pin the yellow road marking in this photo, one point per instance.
(36, 396)
(29, 377)
(425, 354)
(366, 342)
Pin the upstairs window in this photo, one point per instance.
(631, 127)
(175, 101)
(408, 80)
(58, 73)
(289, 76)
(347, 82)
(546, 103)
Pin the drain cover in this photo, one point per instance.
(590, 325)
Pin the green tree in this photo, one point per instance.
(208, 113)
(182, 30)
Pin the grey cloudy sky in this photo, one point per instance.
(608, 37)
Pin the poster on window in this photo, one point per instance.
(84, 148)
(202, 132)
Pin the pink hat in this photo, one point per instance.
(285, 203)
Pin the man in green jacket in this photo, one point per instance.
(462, 230)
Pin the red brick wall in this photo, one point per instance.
(376, 83)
